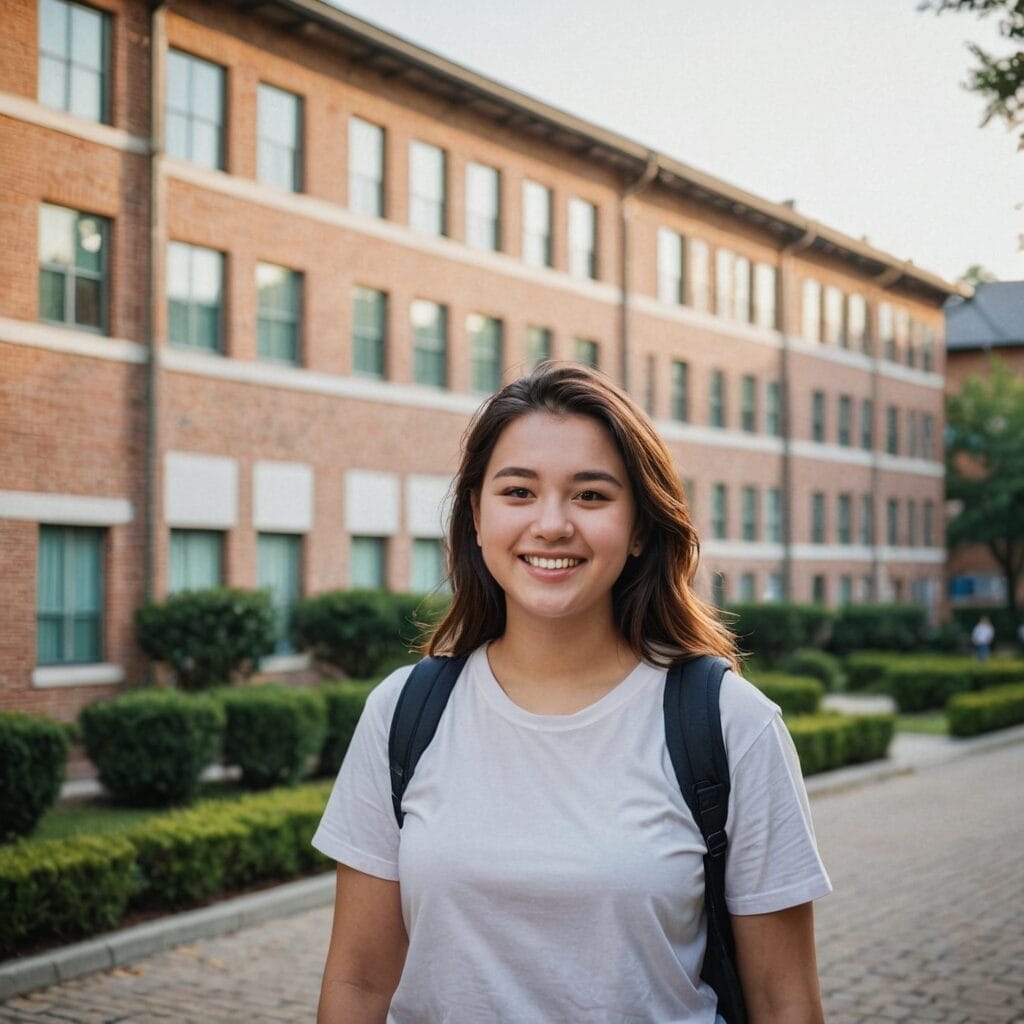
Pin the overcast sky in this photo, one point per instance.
(851, 107)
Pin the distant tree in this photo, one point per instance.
(976, 274)
(1000, 80)
(985, 469)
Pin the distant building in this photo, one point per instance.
(240, 339)
(990, 323)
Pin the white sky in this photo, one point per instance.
(851, 107)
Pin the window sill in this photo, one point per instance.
(100, 674)
(285, 663)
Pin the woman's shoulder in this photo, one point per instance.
(746, 712)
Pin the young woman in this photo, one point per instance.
(548, 870)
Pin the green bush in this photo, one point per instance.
(1004, 621)
(796, 695)
(883, 627)
(809, 661)
(151, 746)
(63, 888)
(344, 704)
(33, 764)
(363, 631)
(923, 683)
(271, 732)
(772, 630)
(970, 714)
(206, 636)
(866, 670)
(828, 741)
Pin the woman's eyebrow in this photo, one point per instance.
(585, 476)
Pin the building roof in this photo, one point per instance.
(395, 57)
(993, 317)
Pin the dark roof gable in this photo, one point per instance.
(993, 317)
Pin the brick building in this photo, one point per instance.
(240, 339)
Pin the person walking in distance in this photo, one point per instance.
(548, 869)
(981, 638)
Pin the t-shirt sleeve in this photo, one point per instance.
(772, 860)
(358, 826)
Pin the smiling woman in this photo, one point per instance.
(545, 865)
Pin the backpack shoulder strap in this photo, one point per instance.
(696, 746)
(414, 723)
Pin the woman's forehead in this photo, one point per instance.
(555, 441)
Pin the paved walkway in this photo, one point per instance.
(926, 924)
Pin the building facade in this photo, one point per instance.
(264, 262)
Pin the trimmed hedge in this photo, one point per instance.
(271, 732)
(771, 630)
(885, 627)
(796, 695)
(206, 636)
(865, 670)
(151, 746)
(828, 741)
(922, 684)
(33, 764)
(809, 661)
(970, 714)
(344, 704)
(68, 888)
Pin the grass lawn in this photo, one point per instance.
(931, 722)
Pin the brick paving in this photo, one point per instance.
(926, 924)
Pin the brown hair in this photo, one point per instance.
(653, 601)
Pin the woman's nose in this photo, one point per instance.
(552, 521)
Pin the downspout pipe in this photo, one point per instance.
(649, 173)
(804, 242)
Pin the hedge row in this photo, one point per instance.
(828, 741)
(970, 714)
(796, 695)
(33, 764)
(68, 888)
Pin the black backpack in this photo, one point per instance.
(693, 734)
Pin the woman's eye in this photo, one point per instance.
(516, 492)
(591, 496)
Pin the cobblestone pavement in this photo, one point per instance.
(926, 924)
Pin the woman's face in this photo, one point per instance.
(556, 519)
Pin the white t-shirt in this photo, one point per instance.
(551, 872)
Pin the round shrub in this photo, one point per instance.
(271, 732)
(770, 630)
(151, 746)
(33, 764)
(796, 695)
(809, 661)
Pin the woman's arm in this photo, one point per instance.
(777, 966)
(367, 951)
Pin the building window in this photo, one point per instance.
(748, 404)
(857, 323)
(867, 589)
(483, 207)
(670, 266)
(585, 352)
(73, 268)
(911, 523)
(835, 329)
(927, 436)
(741, 289)
(427, 189)
(811, 310)
(538, 346)
(867, 424)
(69, 598)
(892, 522)
(927, 349)
(749, 513)
(913, 343)
(280, 138)
(367, 563)
(719, 589)
(719, 513)
(195, 284)
(699, 266)
(279, 316)
(748, 587)
(773, 409)
(928, 525)
(690, 493)
(369, 331)
(365, 167)
(197, 560)
(680, 391)
(428, 571)
(818, 593)
(818, 416)
(279, 570)
(774, 590)
(716, 399)
(845, 420)
(773, 515)
(892, 430)
(649, 385)
(845, 590)
(724, 267)
(886, 331)
(901, 320)
(818, 518)
(582, 238)
(536, 224)
(867, 519)
(195, 110)
(429, 343)
(764, 296)
(485, 353)
(912, 433)
(74, 59)
(845, 525)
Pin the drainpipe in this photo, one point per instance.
(786, 254)
(650, 171)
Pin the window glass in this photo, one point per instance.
(369, 326)
(368, 563)
(845, 590)
(818, 518)
(536, 224)
(724, 261)
(867, 519)
(197, 558)
(585, 352)
(716, 399)
(818, 417)
(741, 290)
(845, 420)
(279, 312)
(764, 295)
(886, 331)
(278, 557)
(892, 430)
(484, 353)
(699, 266)
(195, 110)
(365, 167)
(773, 514)
(719, 512)
(538, 346)
(748, 587)
(73, 265)
(670, 266)
(773, 409)
(835, 329)
(680, 391)
(74, 59)
(430, 343)
(483, 204)
(749, 512)
(427, 188)
(811, 310)
(428, 573)
(194, 286)
(748, 404)
(867, 424)
(892, 522)
(857, 323)
(928, 526)
(582, 238)
(818, 592)
(69, 595)
(845, 519)
(280, 138)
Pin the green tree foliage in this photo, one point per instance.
(985, 468)
(999, 79)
